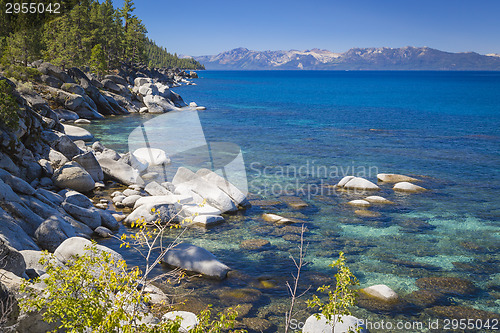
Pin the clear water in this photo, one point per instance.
(441, 127)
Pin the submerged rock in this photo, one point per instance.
(196, 259)
(255, 244)
(381, 292)
(276, 218)
(448, 285)
(294, 202)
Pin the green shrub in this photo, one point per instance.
(98, 293)
(341, 299)
(8, 106)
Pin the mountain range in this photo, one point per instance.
(382, 58)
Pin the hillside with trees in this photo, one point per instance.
(82, 33)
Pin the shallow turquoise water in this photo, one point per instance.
(292, 126)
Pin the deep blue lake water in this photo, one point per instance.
(304, 130)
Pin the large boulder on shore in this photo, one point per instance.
(11, 260)
(90, 164)
(16, 183)
(151, 156)
(89, 216)
(52, 232)
(196, 259)
(77, 133)
(210, 192)
(120, 171)
(13, 235)
(232, 191)
(151, 212)
(78, 246)
(72, 175)
(158, 104)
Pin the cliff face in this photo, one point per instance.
(384, 58)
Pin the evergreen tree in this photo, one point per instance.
(72, 37)
(98, 61)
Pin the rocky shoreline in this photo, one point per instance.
(49, 169)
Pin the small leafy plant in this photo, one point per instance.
(340, 299)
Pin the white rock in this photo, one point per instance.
(211, 193)
(394, 178)
(193, 104)
(200, 108)
(408, 187)
(115, 193)
(118, 198)
(275, 218)
(375, 199)
(120, 171)
(79, 246)
(152, 156)
(188, 322)
(139, 81)
(234, 193)
(131, 200)
(90, 164)
(128, 192)
(196, 259)
(358, 183)
(314, 325)
(164, 212)
(381, 292)
(189, 210)
(344, 181)
(77, 133)
(155, 189)
(207, 221)
(170, 199)
(359, 203)
(82, 121)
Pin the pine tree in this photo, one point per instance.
(98, 61)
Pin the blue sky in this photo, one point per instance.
(201, 27)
